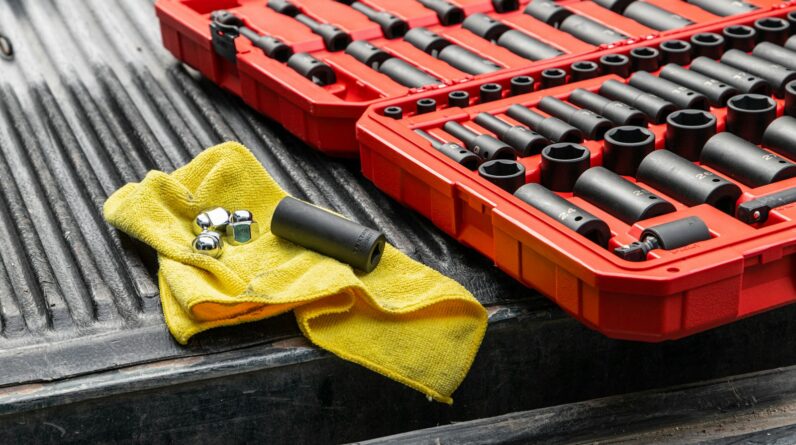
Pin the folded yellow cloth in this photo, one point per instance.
(403, 320)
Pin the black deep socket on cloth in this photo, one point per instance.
(625, 147)
(617, 112)
(484, 145)
(425, 105)
(668, 236)
(329, 234)
(579, 26)
(744, 161)
(552, 128)
(454, 151)
(618, 64)
(311, 68)
(521, 85)
(748, 115)
(790, 98)
(562, 164)
(489, 92)
(708, 44)
(724, 8)
(524, 141)
(506, 174)
(269, 45)
(585, 69)
(513, 40)
(391, 26)
(775, 75)
(687, 131)
(675, 93)
(592, 125)
(619, 197)
(454, 55)
(740, 37)
(773, 30)
(645, 58)
(565, 212)
(742, 81)
(394, 112)
(780, 136)
(334, 38)
(394, 68)
(655, 17)
(654, 107)
(459, 99)
(676, 51)
(776, 54)
(717, 92)
(687, 182)
(553, 77)
(447, 13)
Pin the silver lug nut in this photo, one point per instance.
(214, 220)
(208, 243)
(242, 228)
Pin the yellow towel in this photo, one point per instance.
(403, 320)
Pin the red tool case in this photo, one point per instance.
(742, 270)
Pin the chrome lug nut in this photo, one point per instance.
(242, 228)
(208, 243)
(214, 220)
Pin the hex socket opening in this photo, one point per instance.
(565, 152)
(675, 45)
(629, 135)
(522, 80)
(614, 59)
(707, 38)
(752, 102)
(501, 168)
(585, 65)
(554, 73)
(739, 31)
(692, 118)
(772, 24)
(645, 52)
(459, 95)
(490, 87)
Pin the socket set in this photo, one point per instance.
(648, 189)
(316, 65)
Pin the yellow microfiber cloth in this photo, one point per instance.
(403, 320)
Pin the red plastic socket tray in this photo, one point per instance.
(325, 116)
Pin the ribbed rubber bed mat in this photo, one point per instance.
(91, 101)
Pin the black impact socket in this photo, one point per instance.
(774, 74)
(654, 107)
(506, 174)
(724, 8)
(716, 91)
(687, 182)
(311, 68)
(425, 105)
(790, 98)
(523, 140)
(618, 64)
(740, 37)
(676, 51)
(625, 147)
(592, 125)
(520, 85)
(585, 69)
(552, 128)
(744, 161)
(617, 6)
(645, 58)
(515, 41)
(505, 5)
(447, 13)
(453, 151)
(675, 93)
(489, 92)
(547, 11)
(564, 212)
(485, 26)
(667, 236)
(484, 145)
(562, 164)
(590, 31)
(617, 112)
(391, 26)
(459, 99)
(708, 44)
(394, 112)
(454, 55)
(742, 81)
(327, 233)
(655, 17)
(619, 197)
(687, 131)
(773, 30)
(748, 115)
(780, 136)
(394, 68)
(553, 77)
(334, 38)
(777, 54)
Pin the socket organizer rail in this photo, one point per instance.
(650, 201)
(316, 65)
